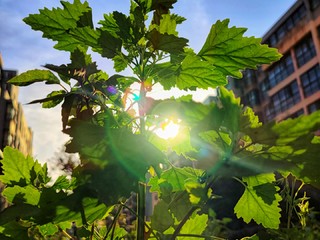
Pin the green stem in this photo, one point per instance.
(141, 210)
(291, 204)
(146, 225)
(92, 232)
(142, 106)
(184, 220)
(114, 222)
(200, 236)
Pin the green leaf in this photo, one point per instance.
(63, 183)
(98, 144)
(197, 73)
(17, 168)
(13, 230)
(260, 201)
(52, 99)
(166, 42)
(32, 76)
(230, 52)
(27, 194)
(56, 24)
(178, 177)
(48, 229)
(167, 25)
(179, 204)
(120, 63)
(198, 193)
(161, 218)
(89, 209)
(165, 74)
(109, 44)
(195, 225)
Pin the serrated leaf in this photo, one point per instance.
(179, 204)
(120, 63)
(17, 168)
(260, 202)
(161, 219)
(197, 73)
(198, 193)
(166, 42)
(27, 194)
(89, 209)
(63, 183)
(48, 229)
(161, 4)
(32, 76)
(177, 177)
(52, 99)
(165, 74)
(57, 23)
(195, 225)
(167, 25)
(230, 52)
(13, 230)
(109, 44)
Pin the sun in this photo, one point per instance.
(167, 130)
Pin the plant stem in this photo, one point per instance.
(200, 236)
(114, 222)
(146, 225)
(141, 210)
(142, 107)
(184, 220)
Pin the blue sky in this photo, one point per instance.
(23, 49)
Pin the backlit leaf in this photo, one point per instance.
(166, 42)
(57, 23)
(195, 225)
(28, 194)
(230, 52)
(17, 168)
(197, 73)
(178, 177)
(161, 219)
(260, 201)
(32, 76)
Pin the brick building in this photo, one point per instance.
(14, 130)
(291, 86)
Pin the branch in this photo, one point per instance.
(184, 220)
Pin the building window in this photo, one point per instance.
(249, 77)
(264, 87)
(311, 81)
(280, 71)
(291, 21)
(314, 106)
(296, 114)
(252, 98)
(299, 14)
(314, 4)
(283, 100)
(305, 50)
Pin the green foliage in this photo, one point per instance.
(229, 51)
(260, 201)
(113, 130)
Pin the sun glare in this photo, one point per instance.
(168, 130)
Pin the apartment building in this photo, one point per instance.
(14, 130)
(290, 87)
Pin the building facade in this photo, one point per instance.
(289, 87)
(14, 130)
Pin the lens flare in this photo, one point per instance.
(167, 130)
